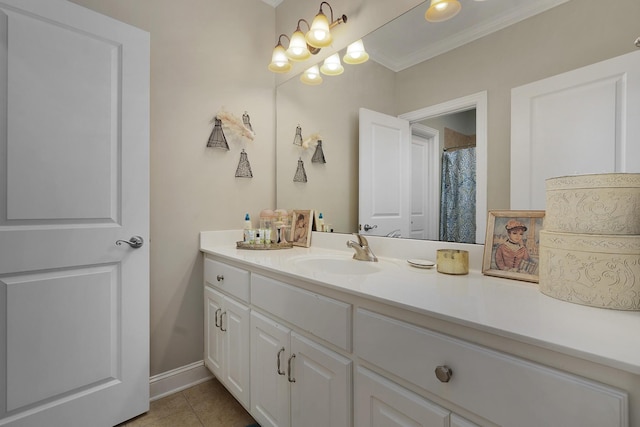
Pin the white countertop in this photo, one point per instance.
(504, 307)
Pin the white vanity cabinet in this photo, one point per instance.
(343, 353)
(227, 328)
(503, 389)
(295, 381)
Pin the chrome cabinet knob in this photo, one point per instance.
(444, 373)
(219, 277)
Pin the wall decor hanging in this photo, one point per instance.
(318, 156)
(311, 140)
(217, 138)
(247, 121)
(236, 128)
(301, 174)
(244, 167)
(297, 139)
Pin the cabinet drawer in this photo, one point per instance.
(323, 317)
(504, 389)
(232, 280)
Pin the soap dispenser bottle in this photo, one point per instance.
(248, 232)
(320, 224)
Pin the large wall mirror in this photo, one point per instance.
(556, 37)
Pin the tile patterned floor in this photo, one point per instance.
(205, 405)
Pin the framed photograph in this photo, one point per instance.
(301, 224)
(511, 245)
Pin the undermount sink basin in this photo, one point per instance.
(344, 265)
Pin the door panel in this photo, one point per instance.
(385, 185)
(82, 302)
(237, 332)
(74, 344)
(579, 122)
(321, 394)
(43, 154)
(380, 402)
(213, 336)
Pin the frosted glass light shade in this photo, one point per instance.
(356, 53)
(441, 10)
(332, 66)
(319, 35)
(311, 76)
(279, 61)
(297, 50)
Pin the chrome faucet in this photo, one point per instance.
(362, 248)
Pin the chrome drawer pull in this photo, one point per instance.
(219, 277)
(280, 372)
(444, 373)
(216, 319)
(290, 378)
(221, 328)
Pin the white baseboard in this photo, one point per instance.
(178, 379)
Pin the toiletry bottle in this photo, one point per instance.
(248, 230)
(320, 224)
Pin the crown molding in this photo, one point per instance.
(273, 3)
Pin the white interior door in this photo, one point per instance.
(74, 120)
(582, 121)
(385, 180)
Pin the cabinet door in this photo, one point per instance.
(269, 384)
(380, 402)
(234, 324)
(213, 336)
(321, 393)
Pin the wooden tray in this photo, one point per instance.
(264, 247)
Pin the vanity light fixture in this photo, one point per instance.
(311, 76)
(332, 66)
(302, 46)
(441, 10)
(320, 33)
(356, 53)
(279, 60)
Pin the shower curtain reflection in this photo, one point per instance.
(458, 196)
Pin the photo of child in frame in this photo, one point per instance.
(511, 247)
(301, 227)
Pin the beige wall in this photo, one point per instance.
(205, 55)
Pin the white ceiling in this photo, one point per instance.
(410, 39)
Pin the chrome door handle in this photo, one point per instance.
(289, 373)
(280, 372)
(224, 313)
(135, 242)
(368, 227)
(216, 319)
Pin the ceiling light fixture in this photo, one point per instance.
(441, 10)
